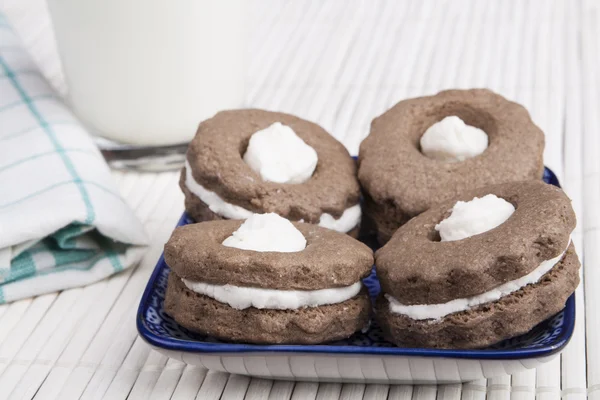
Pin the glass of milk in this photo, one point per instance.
(142, 74)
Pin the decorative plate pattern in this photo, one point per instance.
(159, 329)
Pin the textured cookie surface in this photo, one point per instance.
(488, 323)
(401, 182)
(330, 259)
(416, 268)
(215, 156)
(304, 326)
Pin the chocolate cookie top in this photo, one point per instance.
(330, 259)
(392, 168)
(215, 156)
(415, 267)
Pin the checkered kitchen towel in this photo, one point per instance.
(62, 221)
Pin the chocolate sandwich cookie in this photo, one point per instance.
(276, 294)
(485, 266)
(427, 149)
(252, 161)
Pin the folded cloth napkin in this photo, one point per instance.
(62, 221)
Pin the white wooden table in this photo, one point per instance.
(339, 63)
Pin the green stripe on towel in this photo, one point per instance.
(52, 136)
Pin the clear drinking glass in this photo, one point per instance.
(141, 74)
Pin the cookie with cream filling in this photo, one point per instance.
(267, 280)
(253, 161)
(488, 249)
(427, 149)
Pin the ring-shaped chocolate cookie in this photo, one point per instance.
(489, 323)
(400, 182)
(330, 259)
(215, 156)
(415, 267)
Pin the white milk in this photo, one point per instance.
(147, 72)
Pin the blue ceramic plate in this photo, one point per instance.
(160, 330)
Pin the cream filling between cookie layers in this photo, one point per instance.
(349, 219)
(241, 298)
(438, 311)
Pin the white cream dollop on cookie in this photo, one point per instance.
(279, 155)
(470, 218)
(267, 232)
(452, 140)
